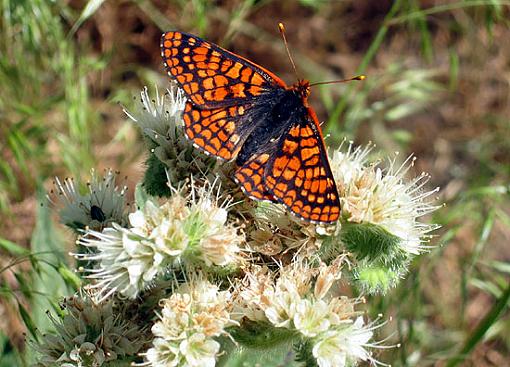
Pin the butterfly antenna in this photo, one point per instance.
(282, 32)
(358, 77)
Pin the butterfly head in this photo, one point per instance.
(302, 88)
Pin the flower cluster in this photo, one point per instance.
(172, 156)
(213, 278)
(299, 298)
(382, 212)
(102, 204)
(190, 229)
(91, 333)
(370, 194)
(195, 314)
(273, 230)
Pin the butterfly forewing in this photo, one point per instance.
(220, 131)
(210, 75)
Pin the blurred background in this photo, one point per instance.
(437, 86)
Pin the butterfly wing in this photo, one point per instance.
(211, 76)
(250, 177)
(220, 131)
(221, 88)
(299, 175)
(224, 93)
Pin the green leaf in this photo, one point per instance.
(155, 179)
(141, 196)
(29, 322)
(312, 3)
(486, 286)
(9, 356)
(261, 334)
(380, 260)
(304, 353)
(403, 110)
(259, 344)
(482, 240)
(402, 136)
(480, 331)
(334, 116)
(23, 284)
(501, 266)
(376, 279)
(48, 252)
(454, 71)
(276, 356)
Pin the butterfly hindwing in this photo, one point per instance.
(250, 176)
(299, 175)
(211, 76)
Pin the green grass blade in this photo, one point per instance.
(332, 126)
(482, 328)
(12, 248)
(89, 10)
(444, 8)
(27, 319)
(482, 241)
(426, 39)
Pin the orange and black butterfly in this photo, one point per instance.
(238, 110)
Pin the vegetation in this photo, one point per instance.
(437, 86)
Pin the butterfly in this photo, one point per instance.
(238, 110)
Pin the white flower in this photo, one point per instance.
(253, 294)
(161, 122)
(221, 248)
(173, 323)
(163, 354)
(346, 166)
(285, 299)
(170, 238)
(204, 293)
(216, 241)
(344, 346)
(369, 194)
(327, 276)
(199, 351)
(290, 287)
(191, 317)
(214, 215)
(275, 229)
(281, 308)
(129, 259)
(156, 117)
(101, 205)
(311, 318)
(127, 263)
